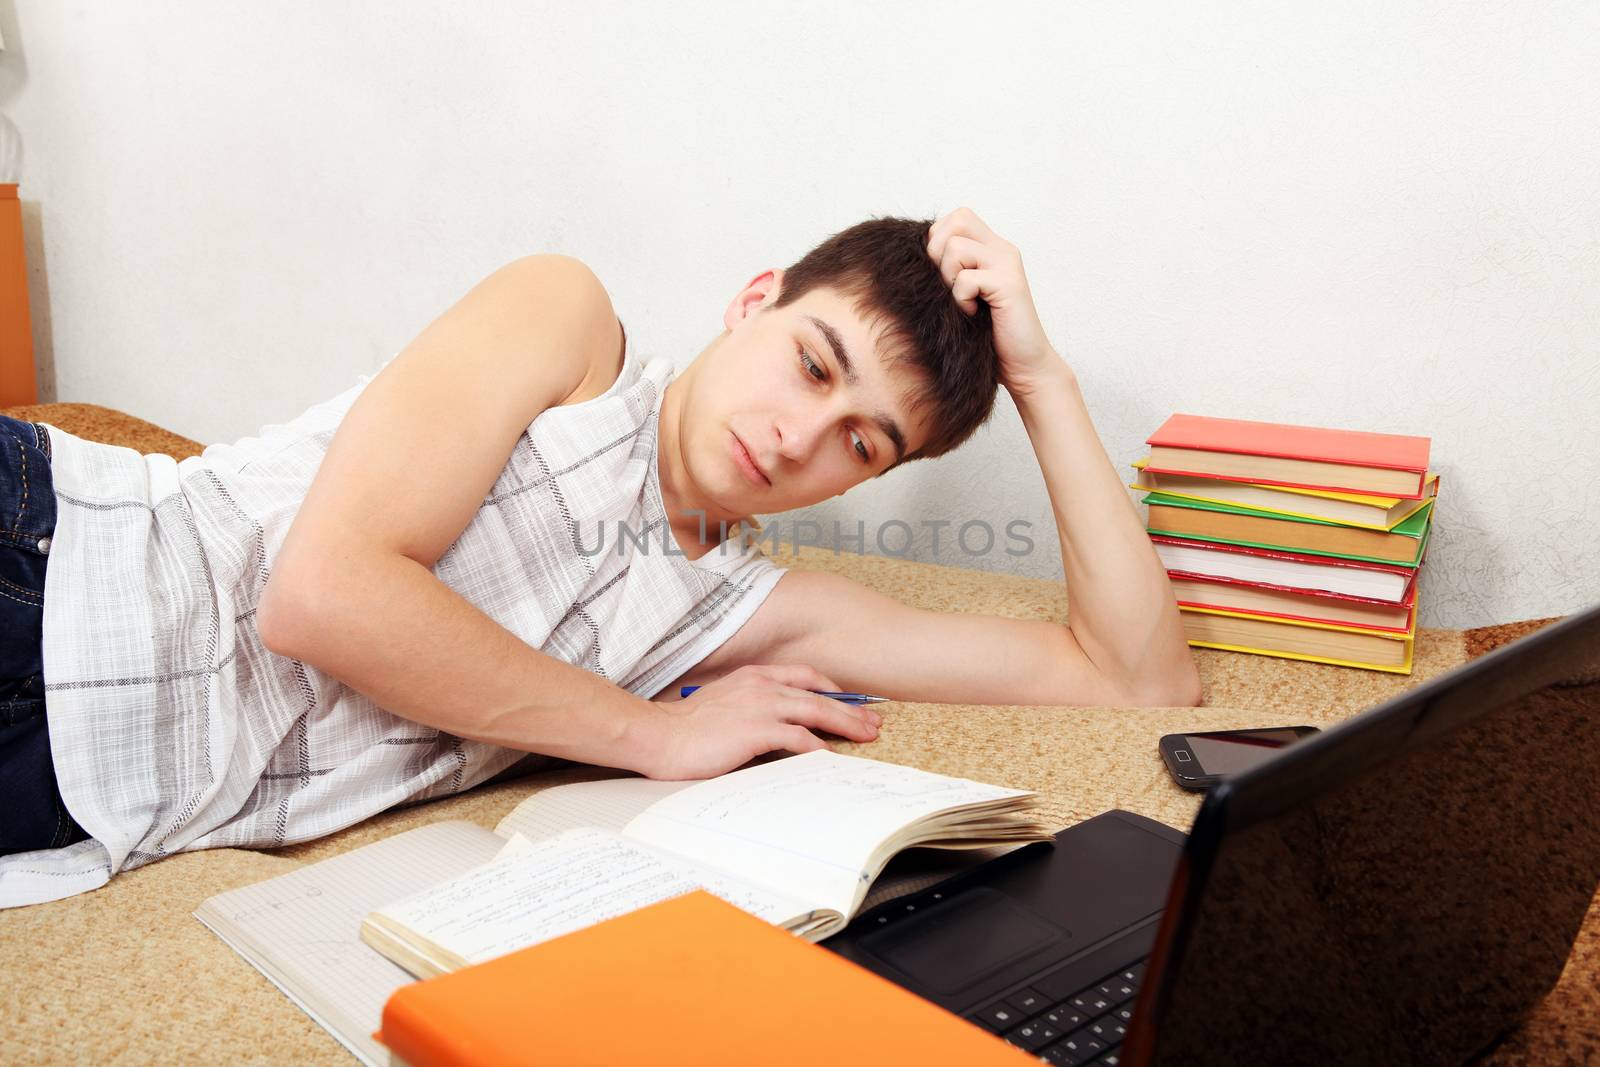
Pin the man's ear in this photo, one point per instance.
(761, 291)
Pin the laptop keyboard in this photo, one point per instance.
(1084, 1027)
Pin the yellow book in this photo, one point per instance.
(1347, 509)
(1340, 646)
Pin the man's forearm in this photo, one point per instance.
(386, 627)
(1120, 605)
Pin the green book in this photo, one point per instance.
(1417, 526)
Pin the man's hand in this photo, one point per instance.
(752, 711)
(979, 265)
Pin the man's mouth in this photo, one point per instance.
(746, 463)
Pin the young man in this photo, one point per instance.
(820, 392)
(392, 598)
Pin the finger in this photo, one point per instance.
(829, 705)
(972, 285)
(939, 235)
(846, 720)
(973, 226)
(963, 221)
(796, 739)
(961, 253)
(940, 232)
(798, 676)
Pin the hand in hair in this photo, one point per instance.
(980, 265)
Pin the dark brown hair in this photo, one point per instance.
(883, 265)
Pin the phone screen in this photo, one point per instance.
(1232, 751)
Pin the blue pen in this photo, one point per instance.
(847, 698)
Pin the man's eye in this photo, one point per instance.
(860, 446)
(806, 362)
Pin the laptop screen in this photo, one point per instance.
(1403, 888)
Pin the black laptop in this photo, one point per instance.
(1401, 888)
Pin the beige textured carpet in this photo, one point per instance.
(126, 974)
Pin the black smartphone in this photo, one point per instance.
(1200, 761)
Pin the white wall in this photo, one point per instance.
(1366, 215)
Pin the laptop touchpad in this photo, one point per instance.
(964, 939)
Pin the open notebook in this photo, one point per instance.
(302, 929)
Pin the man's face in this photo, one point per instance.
(804, 391)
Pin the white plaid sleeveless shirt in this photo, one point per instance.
(173, 728)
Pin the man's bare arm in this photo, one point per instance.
(352, 590)
(1121, 608)
(421, 651)
(870, 642)
(1120, 604)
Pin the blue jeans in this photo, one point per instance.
(32, 814)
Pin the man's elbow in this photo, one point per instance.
(289, 616)
(277, 621)
(1186, 691)
(1186, 688)
(1178, 687)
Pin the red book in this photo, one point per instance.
(1301, 605)
(1305, 457)
(1294, 571)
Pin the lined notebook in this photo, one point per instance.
(796, 842)
(302, 929)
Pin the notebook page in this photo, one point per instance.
(611, 804)
(606, 805)
(543, 889)
(808, 824)
(302, 929)
(909, 872)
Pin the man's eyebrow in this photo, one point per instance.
(836, 343)
(884, 421)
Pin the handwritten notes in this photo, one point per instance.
(301, 929)
(543, 889)
(810, 823)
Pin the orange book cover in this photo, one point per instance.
(1359, 448)
(690, 980)
(18, 380)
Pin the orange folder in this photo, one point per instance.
(690, 980)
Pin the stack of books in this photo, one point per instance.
(1292, 541)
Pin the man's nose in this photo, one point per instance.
(798, 434)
